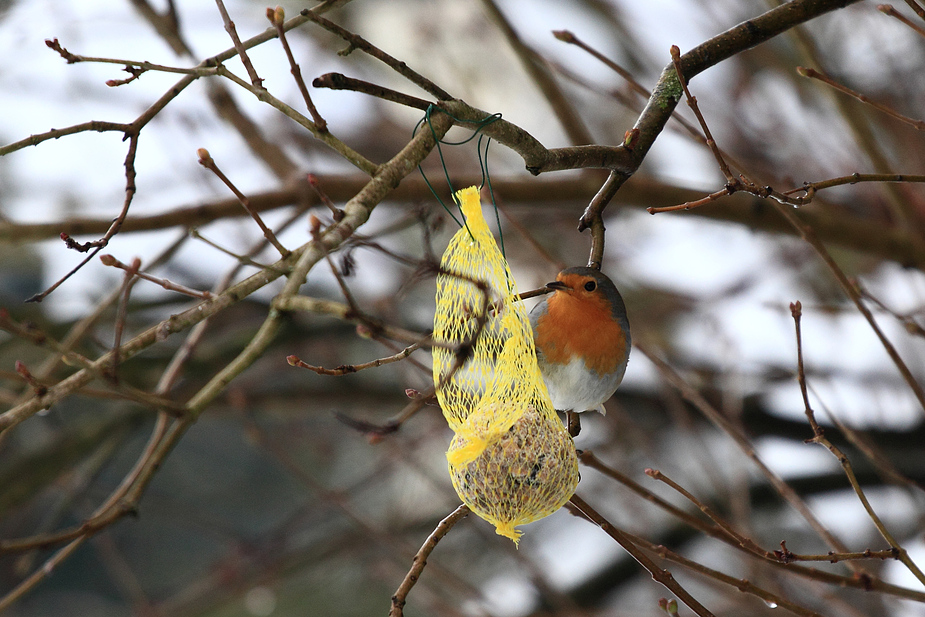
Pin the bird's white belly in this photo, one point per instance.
(573, 387)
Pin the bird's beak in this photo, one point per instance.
(557, 286)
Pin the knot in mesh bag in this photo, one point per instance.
(511, 459)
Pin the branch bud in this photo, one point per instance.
(276, 16)
(314, 225)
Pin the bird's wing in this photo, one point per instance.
(538, 311)
(535, 313)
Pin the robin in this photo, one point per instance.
(582, 339)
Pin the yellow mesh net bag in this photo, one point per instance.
(511, 459)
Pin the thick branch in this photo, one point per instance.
(842, 228)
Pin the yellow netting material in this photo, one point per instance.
(511, 460)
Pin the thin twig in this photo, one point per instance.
(666, 94)
(65, 349)
(242, 259)
(109, 260)
(721, 422)
(360, 240)
(99, 245)
(915, 6)
(588, 458)
(315, 183)
(131, 489)
(851, 291)
(425, 370)
(97, 126)
(526, 235)
(787, 556)
(120, 503)
(721, 532)
(394, 547)
(206, 161)
(692, 103)
(41, 385)
(277, 17)
(173, 371)
(462, 351)
(400, 598)
(566, 36)
(152, 335)
(167, 25)
(539, 72)
(358, 42)
(888, 9)
(40, 573)
(128, 282)
(135, 67)
(733, 183)
(741, 183)
(690, 205)
(225, 105)
(315, 230)
(814, 74)
(349, 154)
(659, 574)
(347, 369)
(810, 188)
(256, 80)
(376, 431)
(796, 310)
(742, 584)
(343, 312)
(569, 37)
(358, 212)
(907, 320)
(881, 463)
(38, 388)
(743, 541)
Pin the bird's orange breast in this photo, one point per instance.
(581, 327)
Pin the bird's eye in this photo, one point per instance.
(590, 286)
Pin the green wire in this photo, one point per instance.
(483, 165)
(486, 177)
